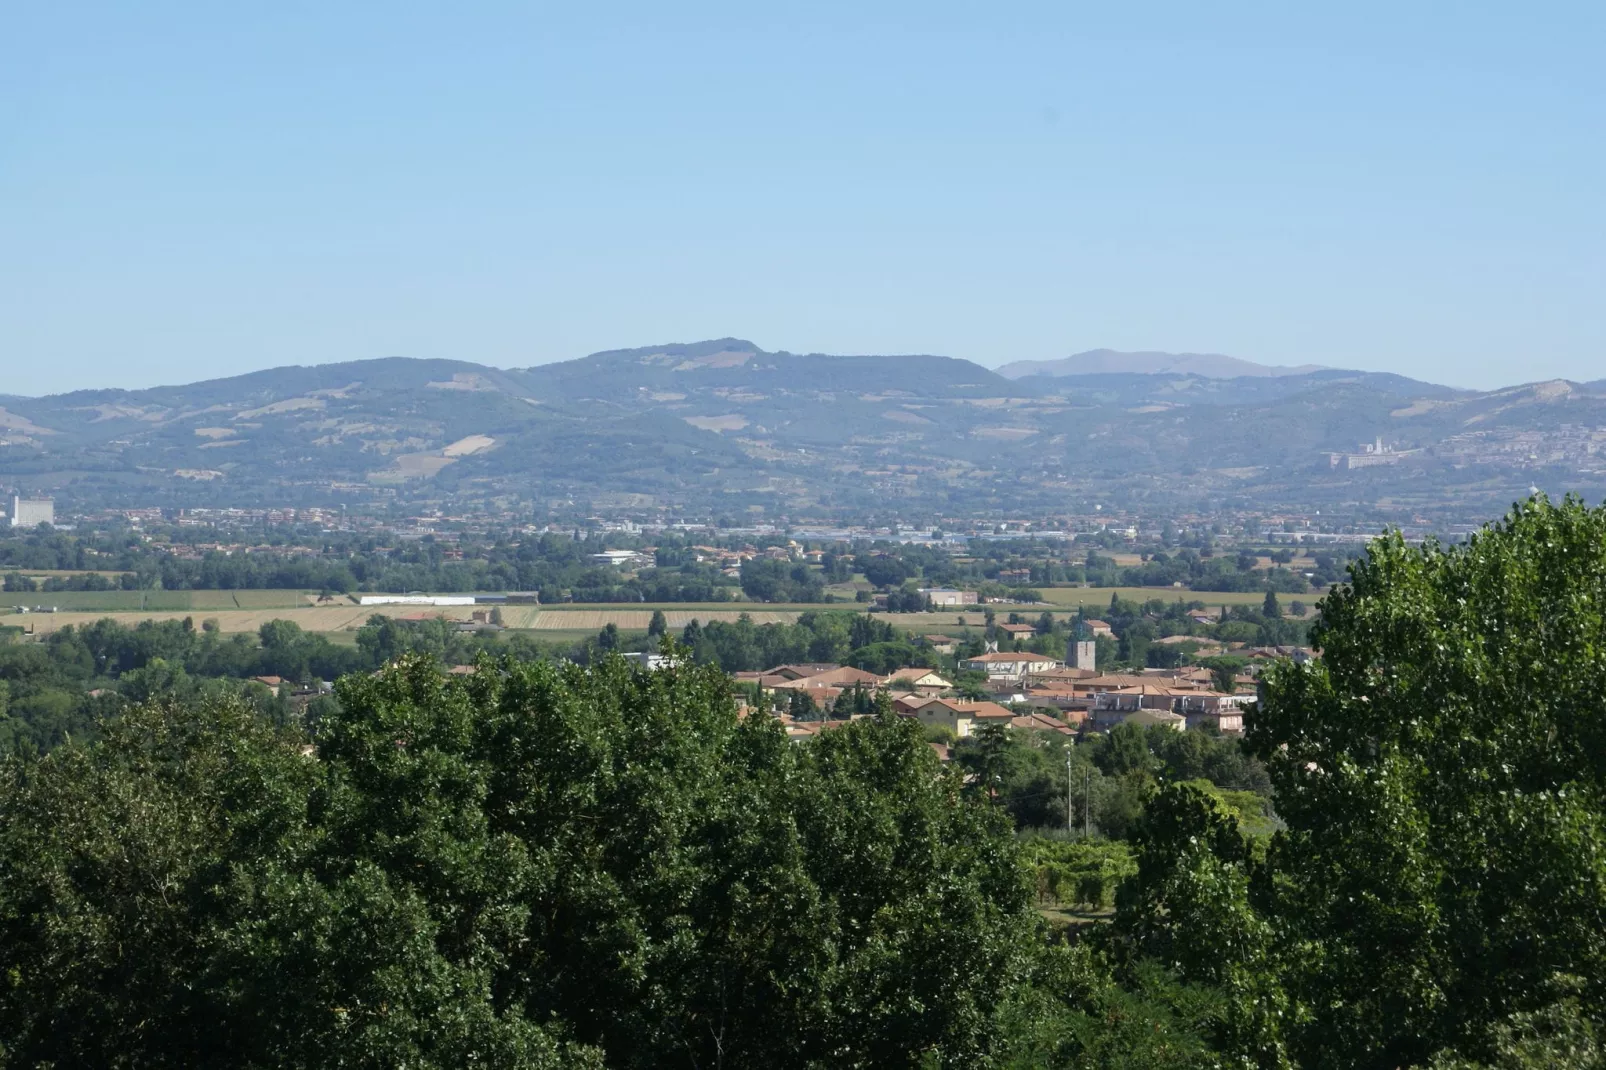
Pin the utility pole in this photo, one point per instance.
(1070, 812)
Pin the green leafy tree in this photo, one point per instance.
(532, 866)
(1075, 1012)
(1189, 908)
(163, 892)
(658, 626)
(1224, 671)
(800, 705)
(1442, 772)
(159, 677)
(1126, 751)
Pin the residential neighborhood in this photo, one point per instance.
(1025, 691)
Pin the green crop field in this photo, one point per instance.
(155, 601)
(253, 599)
(109, 601)
(1073, 597)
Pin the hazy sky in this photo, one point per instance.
(191, 190)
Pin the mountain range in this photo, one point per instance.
(724, 427)
(1110, 361)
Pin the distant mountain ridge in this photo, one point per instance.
(735, 363)
(1114, 362)
(723, 428)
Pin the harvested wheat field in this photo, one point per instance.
(543, 619)
(336, 618)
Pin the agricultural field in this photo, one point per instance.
(546, 618)
(246, 611)
(115, 602)
(1074, 597)
(311, 618)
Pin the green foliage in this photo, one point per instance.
(884, 569)
(66, 684)
(1110, 775)
(1441, 771)
(558, 566)
(563, 866)
(1561, 1036)
(534, 866)
(818, 636)
(1081, 872)
(1224, 671)
(1436, 897)
(1076, 1012)
(1189, 909)
(766, 580)
(173, 892)
(1126, 750)
(883, 658)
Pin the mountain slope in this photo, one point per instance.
(1130, 388)
(1113, 362)
(735, 364)
(722, 427)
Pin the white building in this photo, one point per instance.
(652, 662)
(1009, 666)
(416, 600)
(31, 512)
(624, 558)
(943, 596)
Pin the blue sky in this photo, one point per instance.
(194, 190)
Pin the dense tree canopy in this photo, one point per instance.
(1443, 774)
(1439, 892)
(537, 866)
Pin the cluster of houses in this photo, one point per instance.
(1026, 690)
(729, 561)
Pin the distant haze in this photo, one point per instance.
(1110, 361)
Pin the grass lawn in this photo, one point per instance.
(1074, 917)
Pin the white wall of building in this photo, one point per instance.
(416, 600)
(31, 512)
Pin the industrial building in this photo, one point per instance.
(31, 512)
